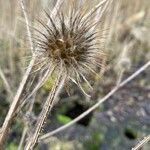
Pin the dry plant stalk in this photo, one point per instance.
(142, 143)
(15, 104)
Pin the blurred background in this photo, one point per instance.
(120, 122)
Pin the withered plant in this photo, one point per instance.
(70, 47)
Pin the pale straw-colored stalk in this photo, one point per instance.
(142, 143)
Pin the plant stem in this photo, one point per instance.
(45, 111)
(15, 103)
(141, 143)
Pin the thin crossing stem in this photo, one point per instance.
(15, 103)
(141, 143)
(100, 101)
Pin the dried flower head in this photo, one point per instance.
(69, 46)
(70, 43)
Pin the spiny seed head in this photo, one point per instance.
(71, 42)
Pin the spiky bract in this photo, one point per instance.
(71, 43)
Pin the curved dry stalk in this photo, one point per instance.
(141, 143)
(46, 109)
(112, 92)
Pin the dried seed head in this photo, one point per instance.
(70, 42)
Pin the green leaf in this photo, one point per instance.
(12, 146)
(63, 119)
(49, 83)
